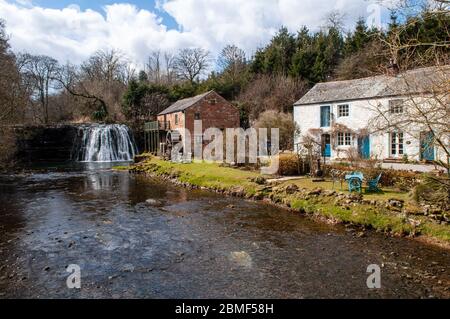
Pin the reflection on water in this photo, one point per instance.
(187, 244)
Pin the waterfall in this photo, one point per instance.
(104, 143)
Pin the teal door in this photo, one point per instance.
(364, 146)
(427, 146)
(326, 145)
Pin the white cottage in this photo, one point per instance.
(345, 117)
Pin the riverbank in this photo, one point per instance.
(390, 213)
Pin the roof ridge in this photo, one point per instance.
(370, 87)
(185, 103)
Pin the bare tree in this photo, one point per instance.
(109, 66)
(232, 59)
(336, 20)
(103, 79)
(405, 45)
(189, 64)
(13, 95)
(169, 63)
(71, 79)
(154, 68)
(40, 70)
(271, 93)
(160, 67)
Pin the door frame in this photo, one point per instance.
(397, 144)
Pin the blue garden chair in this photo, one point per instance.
(355, 181)
(373, 184)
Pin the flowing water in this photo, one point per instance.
(105, 143)
(137, 237)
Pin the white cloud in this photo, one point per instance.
(72, 34)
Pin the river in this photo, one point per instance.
(188, 244)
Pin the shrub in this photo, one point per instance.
(434, 190)
(291, 164)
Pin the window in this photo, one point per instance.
(325, 116)
(343, 110)
(397, 148)
(396, 106)
(213, 101)
(197, 116)
(344, 139)
(176, 119)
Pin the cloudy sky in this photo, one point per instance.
(74, 29)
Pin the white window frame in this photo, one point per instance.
(396, 106)
(397, 144)
(344, 139)
(345, 112)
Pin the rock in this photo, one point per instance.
(152, 201)
(259, 180)
(46, 268)
(238, 191)
(258, 196)
(355, 197)
(241, 258)
(329, 193)
(291, 189)
(394, 204)
(128, 268)
(315, 192)
(230, 206)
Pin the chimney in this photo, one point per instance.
(393, 69)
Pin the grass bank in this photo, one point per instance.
(372, 211)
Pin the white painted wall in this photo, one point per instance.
(308, 117)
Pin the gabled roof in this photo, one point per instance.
(182, 105)
(410, 82)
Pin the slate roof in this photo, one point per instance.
(414, 81)
(182, 105)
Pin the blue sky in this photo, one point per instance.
(138, 27)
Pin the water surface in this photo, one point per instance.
(191, 244)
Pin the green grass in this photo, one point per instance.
(215, 176)
(208, 175)
(121, 168)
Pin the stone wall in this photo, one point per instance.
(44, 143)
